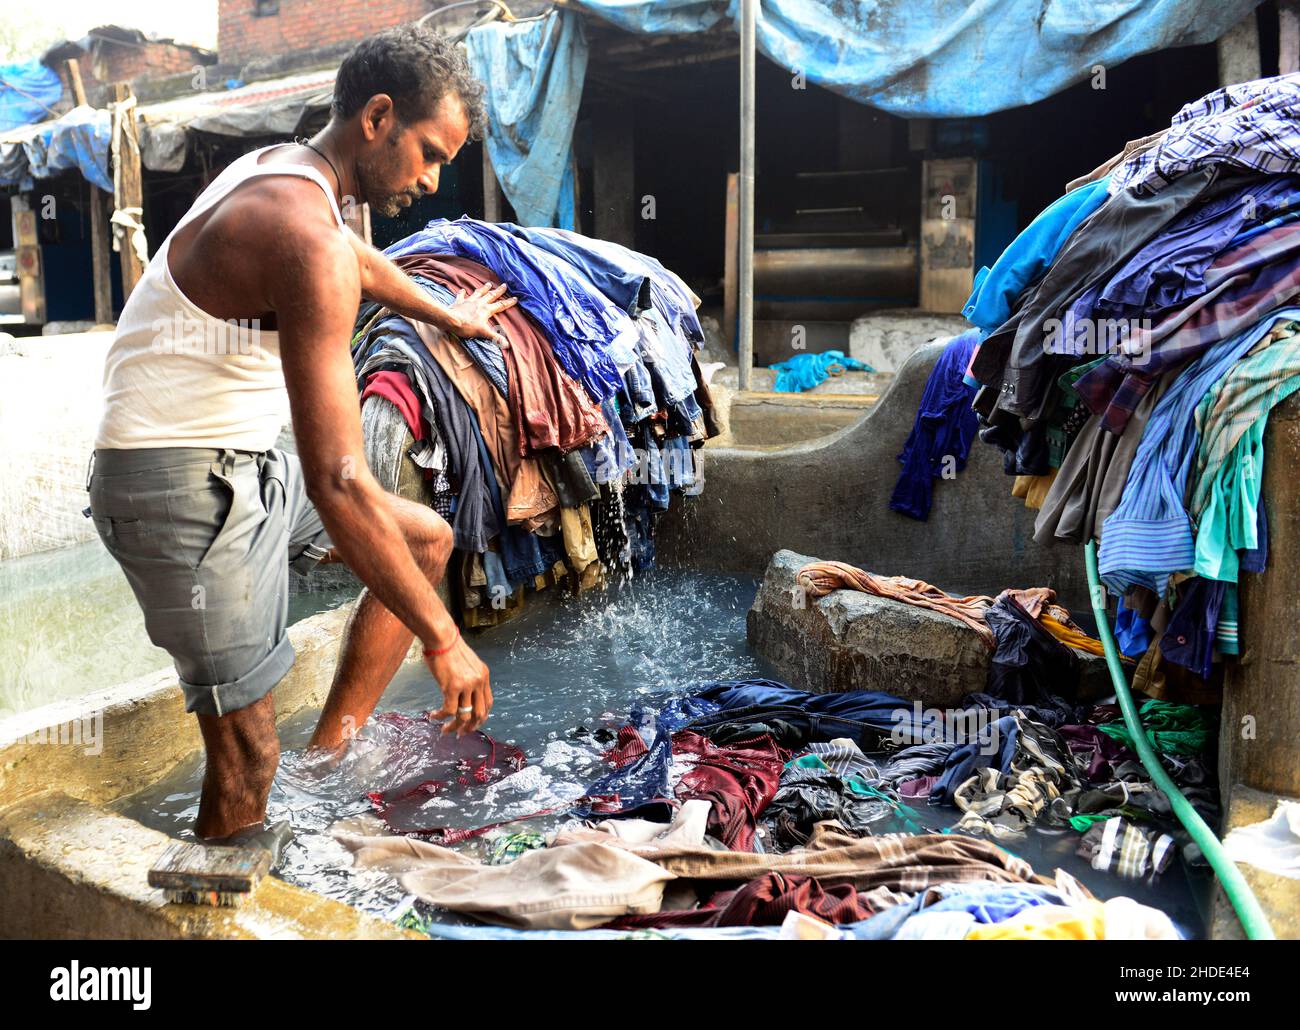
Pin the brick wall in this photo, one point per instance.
(303, 25)
(114, 62)
(138, 63)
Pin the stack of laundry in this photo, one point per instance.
(1129, 347)
(551, 457)
(743, 801)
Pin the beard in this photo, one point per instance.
(373, 175)
(389, 205)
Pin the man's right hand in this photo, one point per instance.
(466, 690)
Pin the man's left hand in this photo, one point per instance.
(470, 315)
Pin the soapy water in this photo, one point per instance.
(564, 675)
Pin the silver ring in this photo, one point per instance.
(460, 710)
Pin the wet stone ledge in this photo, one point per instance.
(849, 640)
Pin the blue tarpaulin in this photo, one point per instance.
(79, 140)
(28, 93)
(945, 58)
(533, 72)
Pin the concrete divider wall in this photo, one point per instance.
(49, 410)
(1261, 698)
(69, 868)
(111, 743)
(830, 497)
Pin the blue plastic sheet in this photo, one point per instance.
(28, 93)
(945, 58)
(533, 72)
(79, 140)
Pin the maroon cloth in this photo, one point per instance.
(917, 788)
(1100, 750)
(550, 408)
(629, 746)
(395, 387)
(740, 780)
(1103, 714)
(422, 762)
(762, 902)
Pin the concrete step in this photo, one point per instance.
(761, 417)
(763, 380)
(1279, 896)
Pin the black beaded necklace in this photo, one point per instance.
(311, 146)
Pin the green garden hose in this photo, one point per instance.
(1242, 899)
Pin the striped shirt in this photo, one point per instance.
(1224, 490)
(1259, 382)
(1149, 535)
(1250, 125)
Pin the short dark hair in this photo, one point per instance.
(417, 68)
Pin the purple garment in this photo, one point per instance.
(1189, 638)
(1171, 269)
(944, 429)
(1243, 285)
(1101, 751)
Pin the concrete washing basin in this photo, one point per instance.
(72, 868)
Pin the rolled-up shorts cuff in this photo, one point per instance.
(224, 698)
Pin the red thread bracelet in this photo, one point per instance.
(430, 652)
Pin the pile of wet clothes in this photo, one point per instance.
(748, 808)
(552, 456)
(1127, 351)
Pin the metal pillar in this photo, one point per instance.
(745, 298)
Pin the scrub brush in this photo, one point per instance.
(219, 875)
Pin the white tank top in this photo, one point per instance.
(175, 376)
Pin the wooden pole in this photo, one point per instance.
(100, 258)
(74, 79)
(97, 212)
(493, 198)
(130, 182)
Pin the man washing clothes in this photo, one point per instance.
(241, 320)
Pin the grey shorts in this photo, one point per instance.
(206, 539)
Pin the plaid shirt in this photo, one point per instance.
(1243, 285)
(1130, 851)
(1251, 125)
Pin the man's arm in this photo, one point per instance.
(469, 317)
(315, 291)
